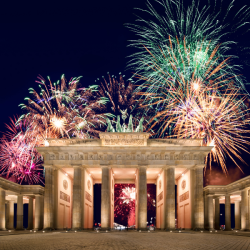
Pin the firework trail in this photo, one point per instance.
(63, 110)
(121, 98)
(196, 30)
(207, 105)
(19, 160)
(119, 94)
(60, 110)
(186, 78)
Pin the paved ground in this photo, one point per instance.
(123, 240)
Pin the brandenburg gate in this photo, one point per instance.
(73, 166)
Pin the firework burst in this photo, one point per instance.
(118, 93)
(196, 98)
(195, 30)
(220, 121)
(63, 110)
(19, 160)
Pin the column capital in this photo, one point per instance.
(48, 166)
(78, 166)
(198, 166)
(210, 195)
(102, 166)
(168, 166)
(142, 166)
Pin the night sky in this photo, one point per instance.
(83, 38)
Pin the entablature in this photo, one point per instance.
(231, 188)
(21, 189)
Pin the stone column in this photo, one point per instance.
(237, 214)
(169, 198)
(142, 198)
(214, 212)
(7, 209)
(227, 213)
(19, 212)
(30, 213)
(56, 199)
(49, 198)
(105, 198)
(77, 199)
(198, 200)
(2, 209)
(210, 212)
(217, 213)
(11, 215)
(244, 209)
(38, 212)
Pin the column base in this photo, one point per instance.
(3, 229)
(198, 229)
(170, 229)
(74, 229)
(105, 229)
(47, 229)
(142, 229)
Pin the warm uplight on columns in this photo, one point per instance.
(19, 212)
(227, 212)
(49, 197)
(105, 198)
(142, 198)
(237, 214)
(2, 209)
(77, 198)
(244, 209)
(170, 198)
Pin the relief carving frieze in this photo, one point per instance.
(166, 157)
(62, 157)
(119, 157)
(160, 197)
(52, 157)
(64, 196)
(124, 139)
(128, 157)
(196, 157)
(88, 197)
(73, 157)
(184, 196)
(92, 156)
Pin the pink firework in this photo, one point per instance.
(20, 162)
